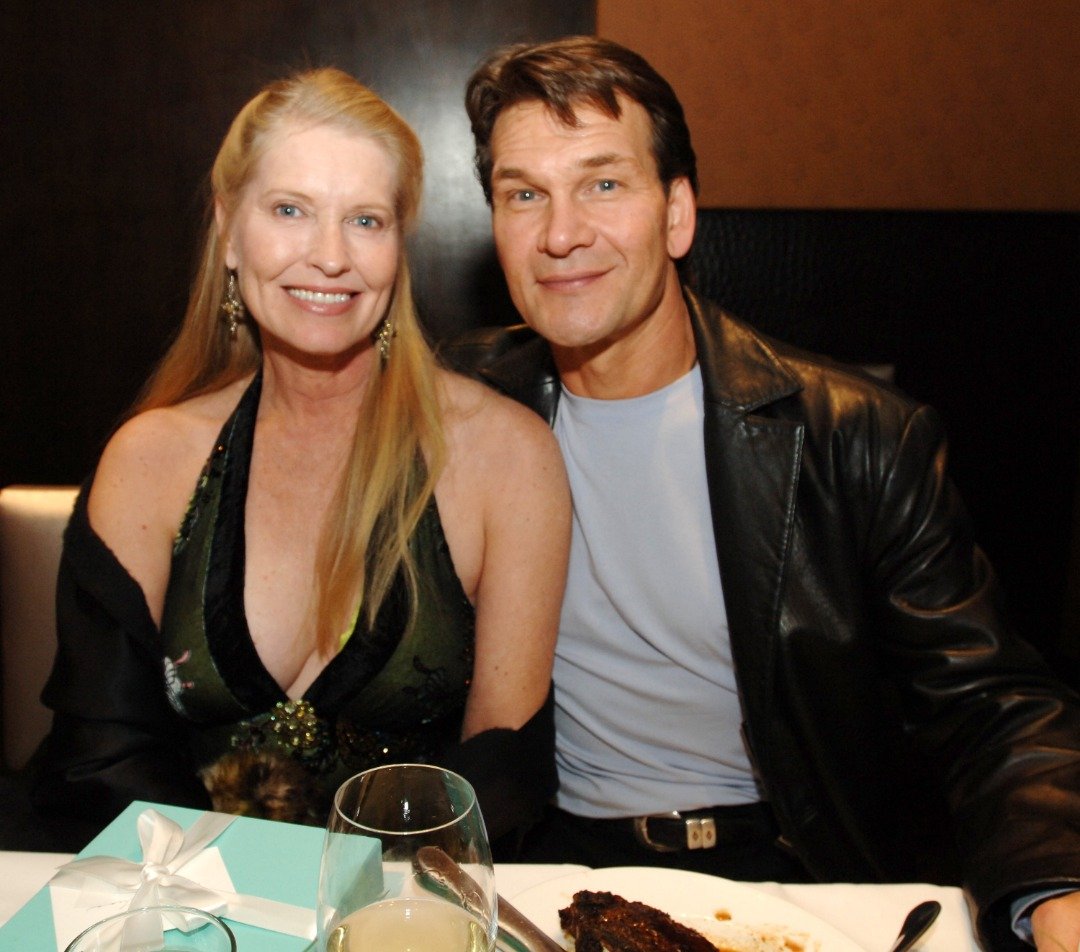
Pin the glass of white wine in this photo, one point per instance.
(379, 888)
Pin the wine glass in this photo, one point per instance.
(157, 929)
(406, 865)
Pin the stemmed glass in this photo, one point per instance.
(406, 865)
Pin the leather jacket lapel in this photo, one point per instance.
(752, 461)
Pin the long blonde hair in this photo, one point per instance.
(399, 448)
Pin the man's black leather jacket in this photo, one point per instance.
(898, 729)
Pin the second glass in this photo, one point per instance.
(406, 865)
(157, 929)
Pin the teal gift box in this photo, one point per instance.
(278, 861)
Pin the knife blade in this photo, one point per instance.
(437, 869)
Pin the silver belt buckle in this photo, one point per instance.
(700, 832)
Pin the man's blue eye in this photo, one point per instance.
(287, 211)
(526, 195)
(607, 185)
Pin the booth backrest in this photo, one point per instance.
(32, 521)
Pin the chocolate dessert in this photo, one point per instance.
(604, 922)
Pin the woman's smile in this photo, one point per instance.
(315, 236)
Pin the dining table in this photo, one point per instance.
(869, 914)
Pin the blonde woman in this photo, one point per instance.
(309, 550)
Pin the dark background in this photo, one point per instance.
(111, 115)
(978, 313)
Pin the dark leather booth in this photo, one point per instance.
(978, 313)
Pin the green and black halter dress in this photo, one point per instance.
(387, 696)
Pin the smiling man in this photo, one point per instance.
(780, 654)
(586, 234)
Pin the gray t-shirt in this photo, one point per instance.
(647, 714)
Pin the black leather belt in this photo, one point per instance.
(703, 829)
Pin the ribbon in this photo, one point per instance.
(159, 879)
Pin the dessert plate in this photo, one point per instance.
(721, 909)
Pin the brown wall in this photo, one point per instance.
(941, 104)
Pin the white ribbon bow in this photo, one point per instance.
(157, 880)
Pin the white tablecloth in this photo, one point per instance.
(869, 914)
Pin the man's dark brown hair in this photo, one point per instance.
(568, 73)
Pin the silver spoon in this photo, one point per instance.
(915, 925)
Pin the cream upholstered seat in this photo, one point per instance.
(32, 521)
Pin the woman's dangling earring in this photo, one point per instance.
(383, 336)
(232, 308)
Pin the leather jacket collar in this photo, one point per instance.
(739, 368)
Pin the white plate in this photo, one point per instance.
(692, 898)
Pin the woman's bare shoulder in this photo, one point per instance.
(151, 462)
(487, 432)
(470, 405)
(159, 438)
